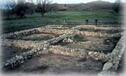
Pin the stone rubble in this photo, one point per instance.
(95, 28)
(46, 30)
(78, 53)
(114, 58)
(36, 48)
(35, 51)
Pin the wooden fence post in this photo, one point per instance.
(96, 21)
(86, 22)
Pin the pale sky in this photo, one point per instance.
(67, 1)
(78, 1)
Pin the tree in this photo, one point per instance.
(30, 8)
(44, 6)
(117, 6)
(20, 9)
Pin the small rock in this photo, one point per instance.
(107, 66)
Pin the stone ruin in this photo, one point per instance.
(82, 48)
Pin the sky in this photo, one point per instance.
(78, 1)
(67, 1)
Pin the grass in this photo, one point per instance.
(79, 38)
(58, 18)
(79, 15)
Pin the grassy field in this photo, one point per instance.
(59, 18)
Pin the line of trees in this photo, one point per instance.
(21, 8)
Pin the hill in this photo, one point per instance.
(95, 5)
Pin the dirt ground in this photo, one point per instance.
(57, 63)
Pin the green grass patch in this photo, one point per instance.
(58, 18)
(79, 38)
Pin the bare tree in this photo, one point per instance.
(44, 6)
